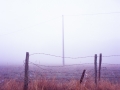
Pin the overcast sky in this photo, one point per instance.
(35, 26)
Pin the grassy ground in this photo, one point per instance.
(43, 84)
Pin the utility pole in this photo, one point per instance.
(63, 39)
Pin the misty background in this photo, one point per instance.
(35, 26)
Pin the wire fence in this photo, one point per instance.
(69, 72)
(61, 73)
(72, 57)
(108, 71)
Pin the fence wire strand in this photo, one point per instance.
(72, 57)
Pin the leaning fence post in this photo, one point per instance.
(26, 72)
(95, 63)
(83, 74)
(100, 62)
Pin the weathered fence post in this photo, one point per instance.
(26, 72)
(95, 63)
(100, 62)
(83, 74)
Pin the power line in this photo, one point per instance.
(59, 17)
(94, 14)
(31, 26)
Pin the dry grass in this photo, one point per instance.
(43, 84)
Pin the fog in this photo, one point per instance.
(35, 26)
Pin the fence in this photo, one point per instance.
(56, 72)
(96, 70)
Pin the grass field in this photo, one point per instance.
(43, 84)
(59, 78)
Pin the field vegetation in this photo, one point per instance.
(59, 78)
(44, 84)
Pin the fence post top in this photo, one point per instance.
(27, 52)
(95, 55)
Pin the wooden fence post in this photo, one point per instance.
(26, 72)
(95, 63)
(100, 62)
(83, 74)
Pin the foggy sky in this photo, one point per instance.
(35, 26)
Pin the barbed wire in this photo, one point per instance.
(115, 65)
(61, 65)
(63, 75)
(50, 70)
(89, 74)
(44, 54)
(72, 57)
(60, 56)
(37, 65)
(111, 56)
